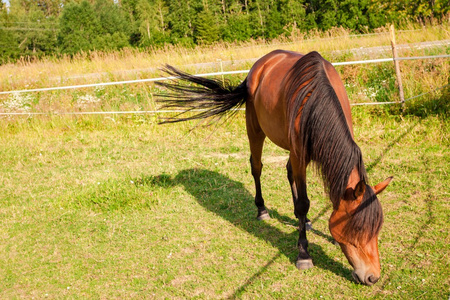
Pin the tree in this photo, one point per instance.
(26, 30)
(237, 28)
(206, 29)
(181, 18)
(78, 27)
(274, 21)
(153, 22)
(39, 37)
(129, 8)
(113, 27)
(43, 27)
(352, 14)
(8, 38)
(326, 14)
(422, 9)
(50, 7)
(85, 27)
(294, 15)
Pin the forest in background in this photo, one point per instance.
(36, 28)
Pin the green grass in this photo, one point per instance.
(119, 207)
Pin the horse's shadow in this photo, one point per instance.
(231, 201)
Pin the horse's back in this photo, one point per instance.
(266, 89)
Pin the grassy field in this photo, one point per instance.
(119, 207)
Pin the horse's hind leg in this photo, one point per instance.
(297, 179)
(256, 166)
(256, 139)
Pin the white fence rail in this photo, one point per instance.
(201, 75)
(205, 75)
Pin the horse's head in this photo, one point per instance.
(355, 225)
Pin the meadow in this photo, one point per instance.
(116, 206)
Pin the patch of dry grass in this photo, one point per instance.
(335, 44)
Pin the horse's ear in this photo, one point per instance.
(359, 189)
(382, 185)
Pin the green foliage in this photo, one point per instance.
(46, 27)
(153, 22)
(206, 29)
(237, 28)
(274, 24)
(181, 21)
(85, 27)
(78, 25)
(25, 30)
(294, 14)
(129, 8)
(42, 38)
(352, 14)
(8, 46)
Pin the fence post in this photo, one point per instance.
(397, 67)
(221, 70)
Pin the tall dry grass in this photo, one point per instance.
(364, 83)
(95, 66)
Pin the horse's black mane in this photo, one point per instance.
(323, 136)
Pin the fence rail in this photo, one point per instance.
(136, 112)
(381, 60)
(205, 75)
(179, 111)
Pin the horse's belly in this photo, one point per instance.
(273, 124)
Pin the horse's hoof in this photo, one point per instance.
(264, 216)
(303, 264)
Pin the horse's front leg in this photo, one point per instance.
(297, 178)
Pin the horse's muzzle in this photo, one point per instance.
(368, 280)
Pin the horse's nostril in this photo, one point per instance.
(355, 277)
(372, 279)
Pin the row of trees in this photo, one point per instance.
(48, 27)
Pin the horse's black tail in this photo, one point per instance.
(208, 98)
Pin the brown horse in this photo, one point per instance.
(299, 103)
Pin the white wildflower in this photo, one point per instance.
(371, 92)
(17, 102)
(100, 88)
(85, 100)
